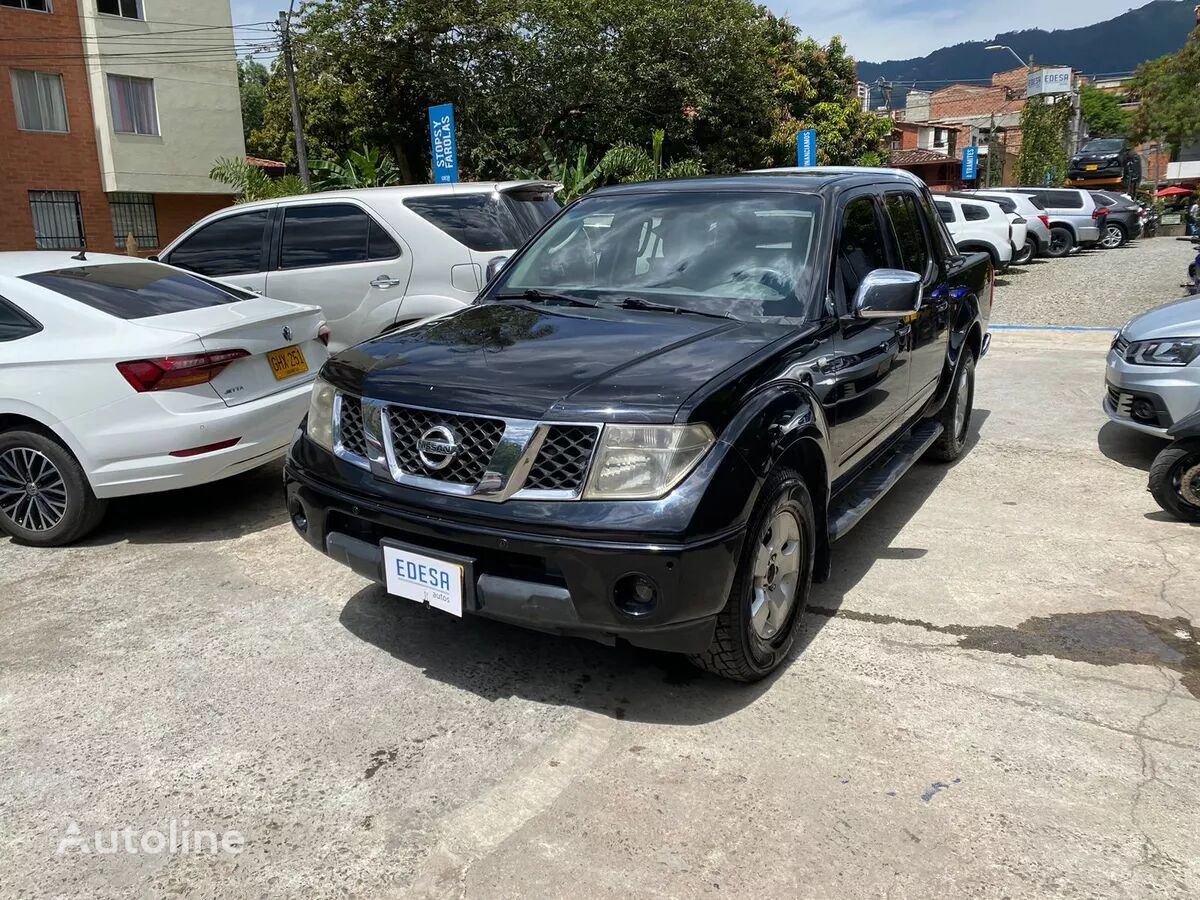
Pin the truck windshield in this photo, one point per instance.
(1103, 146)
(746, 255)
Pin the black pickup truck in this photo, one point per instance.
(659, 415)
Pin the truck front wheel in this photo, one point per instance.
(758, 625)
(956, 413)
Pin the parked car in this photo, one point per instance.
(373, 259)
(1105, 159)
(1037, 223)
(1123, 222)
(122, 376)
(1075, 220)
(654, 422)
(980, 226)
(1153, 376)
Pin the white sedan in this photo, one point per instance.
(123, 376)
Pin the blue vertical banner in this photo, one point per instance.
(806, 147)
(970, 163)
(441, 140)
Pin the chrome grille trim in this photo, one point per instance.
(344, 408)
(504, 473)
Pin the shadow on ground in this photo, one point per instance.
(498, 661)
(1132, 449)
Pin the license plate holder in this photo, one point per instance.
(444, 581)
(287, 361)
(1092, 168)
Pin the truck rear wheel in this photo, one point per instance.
(756, 629)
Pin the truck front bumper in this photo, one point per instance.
(559, 585)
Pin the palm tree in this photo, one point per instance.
(628, 163)
(252, 183)
(370, 168)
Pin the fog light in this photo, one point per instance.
(1143, 411)
(299, 519)
(635, 595)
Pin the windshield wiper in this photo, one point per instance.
(640, 303)
(533, 295)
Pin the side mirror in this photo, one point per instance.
(153, 258)
(887, 294)
(494, 265)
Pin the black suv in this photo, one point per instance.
(655, 420)
(1105, 159)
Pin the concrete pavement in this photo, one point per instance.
(996, 696)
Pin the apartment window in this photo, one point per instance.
(38, 97)
(126, 9)
(36, 5)
(132, 102)
(57, 220)
(134, 214)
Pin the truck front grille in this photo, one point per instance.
(562, 462)
(351, 434)
(475, 437)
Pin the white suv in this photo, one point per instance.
(374, 258)
(979, 226)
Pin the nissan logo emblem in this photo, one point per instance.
(437, 447)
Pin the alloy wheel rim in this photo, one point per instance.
(961, 401)
(1112, 237)
(1058, 243)
(776, 575)
(33, 494)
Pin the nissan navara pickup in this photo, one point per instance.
(660, 414)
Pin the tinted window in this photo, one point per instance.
(325, 235)
(860, 245)
(974, 213)
(945, 210)
(134, 290)
(229, 246)
(486, 222)
(1005, 203)
(1061, 199)
(14, 323)
(1108, 145)
(910, 236)
(380, 244)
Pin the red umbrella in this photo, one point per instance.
(1172, 192)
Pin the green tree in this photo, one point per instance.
(628, 163)
(369, 167)
(252, 84)
(1043, 142)
(1169, 99)
(1103, 113)
(252, 183)
(576, 177)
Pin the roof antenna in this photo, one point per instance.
(81, 255)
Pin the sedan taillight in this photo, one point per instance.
(1045, 220)
(168, 372)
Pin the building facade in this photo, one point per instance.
(110, 120)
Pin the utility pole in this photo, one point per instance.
(1076, 115)
(285, 29)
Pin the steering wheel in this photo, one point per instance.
(765, 275)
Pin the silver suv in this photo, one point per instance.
(1074, 217)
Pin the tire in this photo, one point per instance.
(1175, 480)
(1114, 236)
(1028, 252)
(746, 646)
(61, 508)
(953, 440)
(1062, 242)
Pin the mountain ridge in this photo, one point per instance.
(1115, 46)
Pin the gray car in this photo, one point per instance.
(1074, 217)
(1124, 220)
(1153, 376)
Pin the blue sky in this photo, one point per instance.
(876, 30)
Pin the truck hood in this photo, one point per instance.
(1174, 320)
(516, 360)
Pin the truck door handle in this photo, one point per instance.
(385, 281)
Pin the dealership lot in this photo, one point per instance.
(997, 693)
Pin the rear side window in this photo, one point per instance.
(229, 246)
(945, 210)
(1005, 203)
(486, 222)
(134, 290)
(14, 323)
(1061, 199)
(332, 234)
(860, 245)
(910, 236)
(974, 213)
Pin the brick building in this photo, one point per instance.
(109, 122)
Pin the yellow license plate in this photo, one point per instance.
(287, 362)
(1091, 168)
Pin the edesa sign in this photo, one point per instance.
(1048, 81)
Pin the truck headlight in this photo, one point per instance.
(320, 414)
(645, 462)
(1168, 352)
